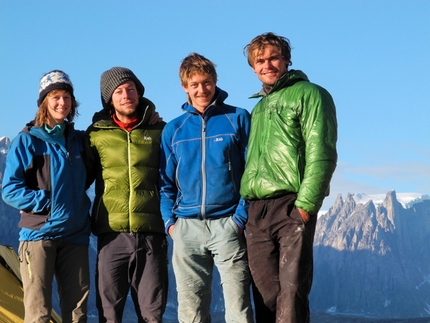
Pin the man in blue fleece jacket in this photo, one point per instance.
(202, 161)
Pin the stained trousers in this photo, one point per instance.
(280, 252)
(197, 246)
(131, 262)
(39, 262)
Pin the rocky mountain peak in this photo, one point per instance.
(373, 259)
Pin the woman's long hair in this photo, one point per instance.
(42, 114)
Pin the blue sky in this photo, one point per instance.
(373, 56)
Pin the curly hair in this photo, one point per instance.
(259, 43)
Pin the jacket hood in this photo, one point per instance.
(145, 109)
(28, 126)
(288, 79)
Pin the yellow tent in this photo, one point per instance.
(11, 292)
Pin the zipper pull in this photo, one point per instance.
(204, 123)
(229, 160)
(68, 157)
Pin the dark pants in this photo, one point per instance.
(281, 260)
(137, 261)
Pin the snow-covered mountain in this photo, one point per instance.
(4, 145)
(372, 257)
(406, 199)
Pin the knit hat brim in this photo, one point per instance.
(113, 78)
(54, 80)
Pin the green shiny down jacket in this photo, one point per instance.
(292, 144)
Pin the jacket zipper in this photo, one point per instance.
(130, 141)
(202, 210)
(231, 170)
(129, 177)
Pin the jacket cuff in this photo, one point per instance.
(168, 224)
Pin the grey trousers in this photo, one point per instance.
(197, 246)
(39, 262)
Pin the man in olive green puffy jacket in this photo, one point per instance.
(290, 161)
(123, 150)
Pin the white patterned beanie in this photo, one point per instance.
(54, 80)
(113, 78)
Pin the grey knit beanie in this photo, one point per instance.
(113, 78)
(54, 80)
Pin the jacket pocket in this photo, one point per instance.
(231, 169)
(33, 221)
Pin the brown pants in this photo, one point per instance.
(39, 262)
(280, 253)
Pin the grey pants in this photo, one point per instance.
(197, 246)
(39, 262)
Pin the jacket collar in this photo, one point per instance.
(288, 79)
(219, 97)
(145, 109)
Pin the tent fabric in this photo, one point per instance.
(11, 292)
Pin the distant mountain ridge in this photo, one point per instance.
(372, 258)
(406, 199)
(4, 146)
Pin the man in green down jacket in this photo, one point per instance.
(291, 158)
(123, 148)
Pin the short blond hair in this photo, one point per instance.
(195, 63)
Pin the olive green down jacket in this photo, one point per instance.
(125, 166)
(292, 144)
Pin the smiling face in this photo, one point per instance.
(201, 89)
(269, 65)
(125, 99)
(59, 104)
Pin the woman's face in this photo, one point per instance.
(59, 106)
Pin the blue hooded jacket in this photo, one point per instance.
(202, 161)
(46, 181)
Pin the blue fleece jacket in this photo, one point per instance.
(45, 179)
(202, 161)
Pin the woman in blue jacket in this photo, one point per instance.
(45, 179)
